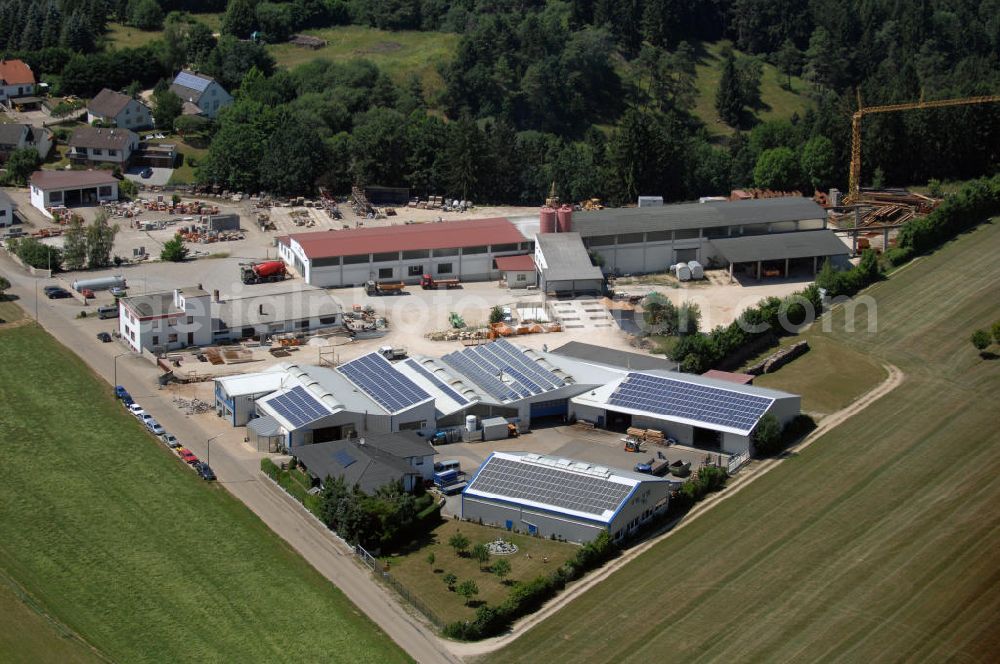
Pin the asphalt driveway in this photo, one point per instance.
(159, 178)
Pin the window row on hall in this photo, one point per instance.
(711, 232)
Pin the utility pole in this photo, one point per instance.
(116, 366)
(208, 456)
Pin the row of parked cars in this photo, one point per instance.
(187, 456)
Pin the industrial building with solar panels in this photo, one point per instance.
(562, 498)
(693, 410)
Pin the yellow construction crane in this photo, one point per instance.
(855, 175)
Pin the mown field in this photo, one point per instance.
(29, 636)
(113, 538)
(876, 543)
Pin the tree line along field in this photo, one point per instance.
(876, 543)
(116, 541)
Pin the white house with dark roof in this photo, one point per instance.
(120, 110)
(20, 136)
(96, 145)
(201, 94)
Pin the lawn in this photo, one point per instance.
(778, 102)
(117, 541)
(399, 54)
(811, 375)
(9, 312)
(425, 580)
(30, 636)
(125, 36)
(876, 543)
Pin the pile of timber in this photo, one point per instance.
(779, 359)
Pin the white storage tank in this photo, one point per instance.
(697, 271)
(683, 272)
(470, 423)
(100, 283)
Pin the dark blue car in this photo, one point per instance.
(122, 393)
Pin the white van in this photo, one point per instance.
(445, 466)
(108, 311)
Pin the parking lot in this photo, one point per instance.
(160, 176)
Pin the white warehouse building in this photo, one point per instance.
(453, 249)
(694, 410)
(554, 497)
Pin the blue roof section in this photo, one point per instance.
(503, 370)
(682, 399)
(193, 81)
(375, 376)
(298, 406)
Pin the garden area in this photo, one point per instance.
(427, 570)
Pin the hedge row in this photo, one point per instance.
(973, 203)
(292, 485)
(528, 596)
(848, 282)
(698, 353)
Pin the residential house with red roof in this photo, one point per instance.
(16, 80)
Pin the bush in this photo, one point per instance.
(268, 468)
(767, 436)
(897, 256)
(976, 201)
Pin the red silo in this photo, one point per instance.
(565, 215)
(548, 220)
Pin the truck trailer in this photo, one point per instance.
(385, 287)
(427, 282)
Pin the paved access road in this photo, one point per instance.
(237, 466)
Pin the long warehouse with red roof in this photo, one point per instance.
(451, 249)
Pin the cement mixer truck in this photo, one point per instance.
(260, 273)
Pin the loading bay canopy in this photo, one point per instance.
(779, 246)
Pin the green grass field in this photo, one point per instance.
(9, 311)
(876, 543)
(778, 102)
(420, 578)
(116, 540)
(30, 637)
(399, 54)
(810, 375)
(125, 36)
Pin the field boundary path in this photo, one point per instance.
(757, 470)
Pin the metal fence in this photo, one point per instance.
(737, 462)
(379, 571)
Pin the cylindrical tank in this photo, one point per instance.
(565, 216)
(683, 272)
(269, 268)
(547, 218)
(697, 271)
(100, 283)
(470, 423)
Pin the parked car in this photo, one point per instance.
(87, 293)
(136, 410)
(127, 401)
(57, 293)
(121, 392)
(187, 455)
(145, 418)
(104, 337)
(204, 471)
(155, 427)
(118, 291)
(146, 173)
(170, 440)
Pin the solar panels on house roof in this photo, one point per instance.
(189, 80)
(344, 458)
(298, 407)
(503, 370)
(437, 382)
(701, 403)
(377, 378)
(562, 486)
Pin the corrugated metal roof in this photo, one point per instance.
(778, 246)
(444, 235)
(566, 259)
(615, 221)
(613, 357)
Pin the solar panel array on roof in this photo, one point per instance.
(298, 407)
(437, 382)
(344, 458)
(487, 363)
(376, 377)
(189, 80)
(713, 405)
(589, 494)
